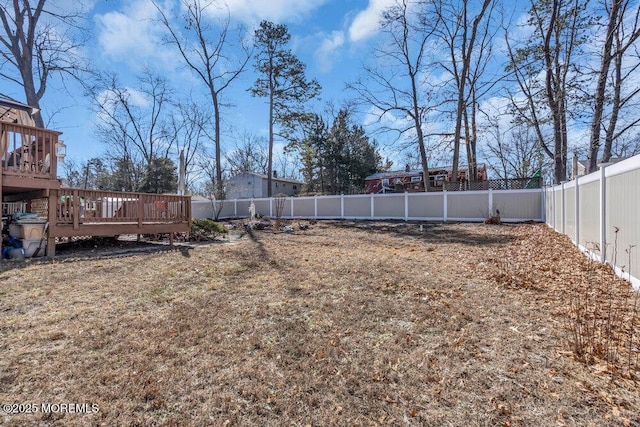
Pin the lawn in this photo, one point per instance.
(342, 324)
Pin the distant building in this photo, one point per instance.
(411, 180)
(250, 185)
(579, 167)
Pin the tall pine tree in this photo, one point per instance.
(281, 79)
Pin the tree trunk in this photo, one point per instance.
(599, 99)
(466, 52)
(216, 111)
(270, 154)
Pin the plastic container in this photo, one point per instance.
(26, 231)
(16, 253)
(25, 215)
(30, 247)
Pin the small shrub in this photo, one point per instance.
(493, 220)
(206, 230)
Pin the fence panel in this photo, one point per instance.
(391, 207)
(304, 207)
(623, 200)
(589, 215)
(329, 207)
(524, 205)
(426, 205)
(468, 205)
(570, 209)
(514, 205)
(599, 212)
(356, 207)
(557, 203)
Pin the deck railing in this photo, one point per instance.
(28, 151)
(77, 206)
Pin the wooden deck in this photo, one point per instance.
(29, 161)
(29, 173)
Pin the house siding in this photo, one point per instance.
(254, 186)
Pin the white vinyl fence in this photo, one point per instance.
(513, 205)
(600, 213)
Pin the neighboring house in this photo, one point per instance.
(579, 167)
(411, 180)
(250, 185)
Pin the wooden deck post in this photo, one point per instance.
(75, 202)
(140, 212)
(52, 213)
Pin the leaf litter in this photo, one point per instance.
(343, 323)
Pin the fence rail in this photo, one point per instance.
(513, 205)
(599, 212)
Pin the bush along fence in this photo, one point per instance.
(600, 213)
(510, 205)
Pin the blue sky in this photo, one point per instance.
(330, 36)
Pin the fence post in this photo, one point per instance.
(292, 214)
(444, 204)
(490, 203)
(372, 207)
(342, 206)
(315, 206)
(603, 211)
(577, 210)
(270, 207)
(564, 210)
(555, 207)
(235, 208)
(543, 207)
(552, 207)
(406, 206)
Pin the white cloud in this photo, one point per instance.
(328, 50)
(252, 11)
(367, 22)
(110, 102)
(132, 35)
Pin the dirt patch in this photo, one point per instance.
(345, 323)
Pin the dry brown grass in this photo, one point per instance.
(342, 324)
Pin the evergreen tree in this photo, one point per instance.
(282, 79)
(336, 160)
(161, 177)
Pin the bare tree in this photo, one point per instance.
(39, 39)
(460, 32)
(558, 29)
(625, 93)
(626, 146)
(612, 92)
(249, 155)
(187, 130)
(396, 83)
(516, 150)
(603, 74)
(133, 123)
(209, 58)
